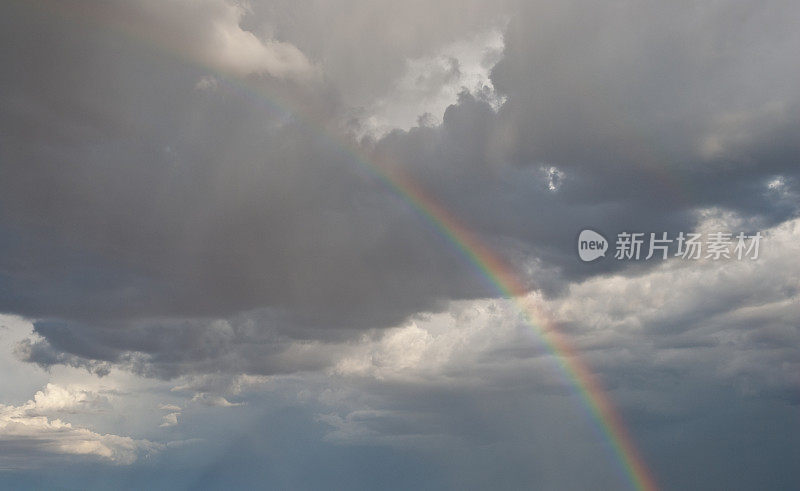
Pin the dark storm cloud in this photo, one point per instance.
(205, 203)
(130, 193)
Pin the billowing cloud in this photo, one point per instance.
(209, 32)
(170, 419)
(432, 83)
(183, 225)
(26, 432)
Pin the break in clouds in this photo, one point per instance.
(190, 241)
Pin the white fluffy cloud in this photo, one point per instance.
(433, 82)
(731, 321)
(208, 32)
(170, 419)
(211, 31)
(29, 433)
(56, 398)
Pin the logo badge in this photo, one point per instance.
(591, 245)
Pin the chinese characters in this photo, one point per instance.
(717, 245)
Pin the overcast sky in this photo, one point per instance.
(205, 281)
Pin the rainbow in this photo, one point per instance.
(490, 264)
(508, 284)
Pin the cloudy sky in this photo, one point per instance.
(270, 244)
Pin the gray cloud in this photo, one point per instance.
(171, 226)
